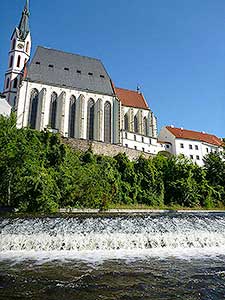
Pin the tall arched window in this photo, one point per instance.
(18, 61)
(53, 111)
(72, 113)
(145, 126)
(107, 122)
(13, 44)
(27, 47)
(33, 109)
(15, 82)
(11, 61)
(7, 83)
(126, 122)
(90, 119)
(135, 124)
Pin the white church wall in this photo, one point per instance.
(23, 105)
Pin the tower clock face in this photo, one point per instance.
(20, 46)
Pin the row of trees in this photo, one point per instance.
(38, 173)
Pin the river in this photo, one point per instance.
(139, 256)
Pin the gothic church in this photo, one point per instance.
(74, 95)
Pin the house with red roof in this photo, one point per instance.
(192, 144)
(138, 122)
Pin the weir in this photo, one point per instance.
(106, 233)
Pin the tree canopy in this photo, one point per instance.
(38, 173)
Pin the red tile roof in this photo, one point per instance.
(131, 98)
(195, 135)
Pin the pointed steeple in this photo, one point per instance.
(19, 55)
(23, 28)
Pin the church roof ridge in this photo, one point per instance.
(70, 53)
(131, 98)
(126, 89)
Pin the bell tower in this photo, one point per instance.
(19, 54)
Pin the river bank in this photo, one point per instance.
(85, 212)
(138, 211)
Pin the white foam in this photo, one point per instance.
(112, 238)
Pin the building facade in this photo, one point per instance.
(192, 144)
(75, 96)
(5, 108)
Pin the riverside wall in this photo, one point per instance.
(101, 148)
(137, 211)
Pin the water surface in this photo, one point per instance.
(157, 256)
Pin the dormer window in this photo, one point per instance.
(102, 76)
(51, 66)
(90, 74)
(78, 71)
(66, 69)
(37, 63)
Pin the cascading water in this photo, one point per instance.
(138, 233)
(155, 256)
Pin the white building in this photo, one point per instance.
(192, 144)
(74, 95)
(5, 108)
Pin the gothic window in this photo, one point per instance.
(13, 44)
(53, 111)
(126, 122)
(107, 122)
(15, 82)
(72, 112)
(27, 47)
(135, 124)
(7, 83)
(90, 119)
(11, 61)
(145, 126)
(18, 61)
(33, 109)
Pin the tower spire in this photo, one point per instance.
(19, 54)
(23, 27)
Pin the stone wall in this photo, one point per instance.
(101, 148)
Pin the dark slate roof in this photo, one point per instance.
(59, 68)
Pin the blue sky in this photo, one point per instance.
(175, 50)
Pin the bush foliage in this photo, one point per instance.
(38, 173)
